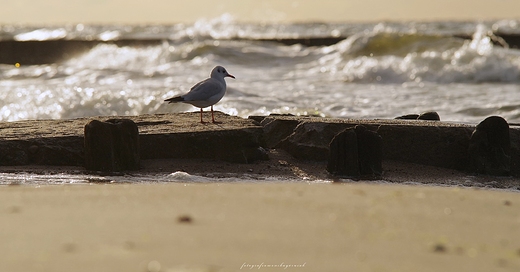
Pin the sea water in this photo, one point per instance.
(37, 178)
(379, 70)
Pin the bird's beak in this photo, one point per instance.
(230, 75)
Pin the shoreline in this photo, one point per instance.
(280, 169)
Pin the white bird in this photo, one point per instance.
(207, 92)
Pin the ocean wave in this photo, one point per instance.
(340, 70)
(388, 57)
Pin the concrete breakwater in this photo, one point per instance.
(239, 140)
(51, 51)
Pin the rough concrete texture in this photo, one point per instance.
(61, 142)
(181, 136)
(432, 143)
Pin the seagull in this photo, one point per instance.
(207, 92)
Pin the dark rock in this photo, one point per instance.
(431, 116)
(343, 150)
(490, 147)
(370, 150)
(99, 146)
(127, 145)
(408, 117)
(514, 134)
(439, 248)
(354, 152)
(186, 219)
(112, 145)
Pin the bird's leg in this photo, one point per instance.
(202, 122)
(213, 117)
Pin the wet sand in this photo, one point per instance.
(233, 227)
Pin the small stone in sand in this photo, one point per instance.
(440, 248)
(184, 219)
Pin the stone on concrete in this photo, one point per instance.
(370, 150)
(408, 117)
(112, 145)
(514, 135)
(356, 152)
(343, 154)
(430, 115)
(490, 147)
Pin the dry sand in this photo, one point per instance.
(233, 227)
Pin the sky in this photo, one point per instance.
(37, 12)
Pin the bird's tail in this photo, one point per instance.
(175, 99)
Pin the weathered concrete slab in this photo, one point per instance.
(424, 142)
(61, 142)
(162, 136)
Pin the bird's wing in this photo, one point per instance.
(204, 90)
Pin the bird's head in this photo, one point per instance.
(220, 72)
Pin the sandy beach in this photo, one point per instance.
(268, 227)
